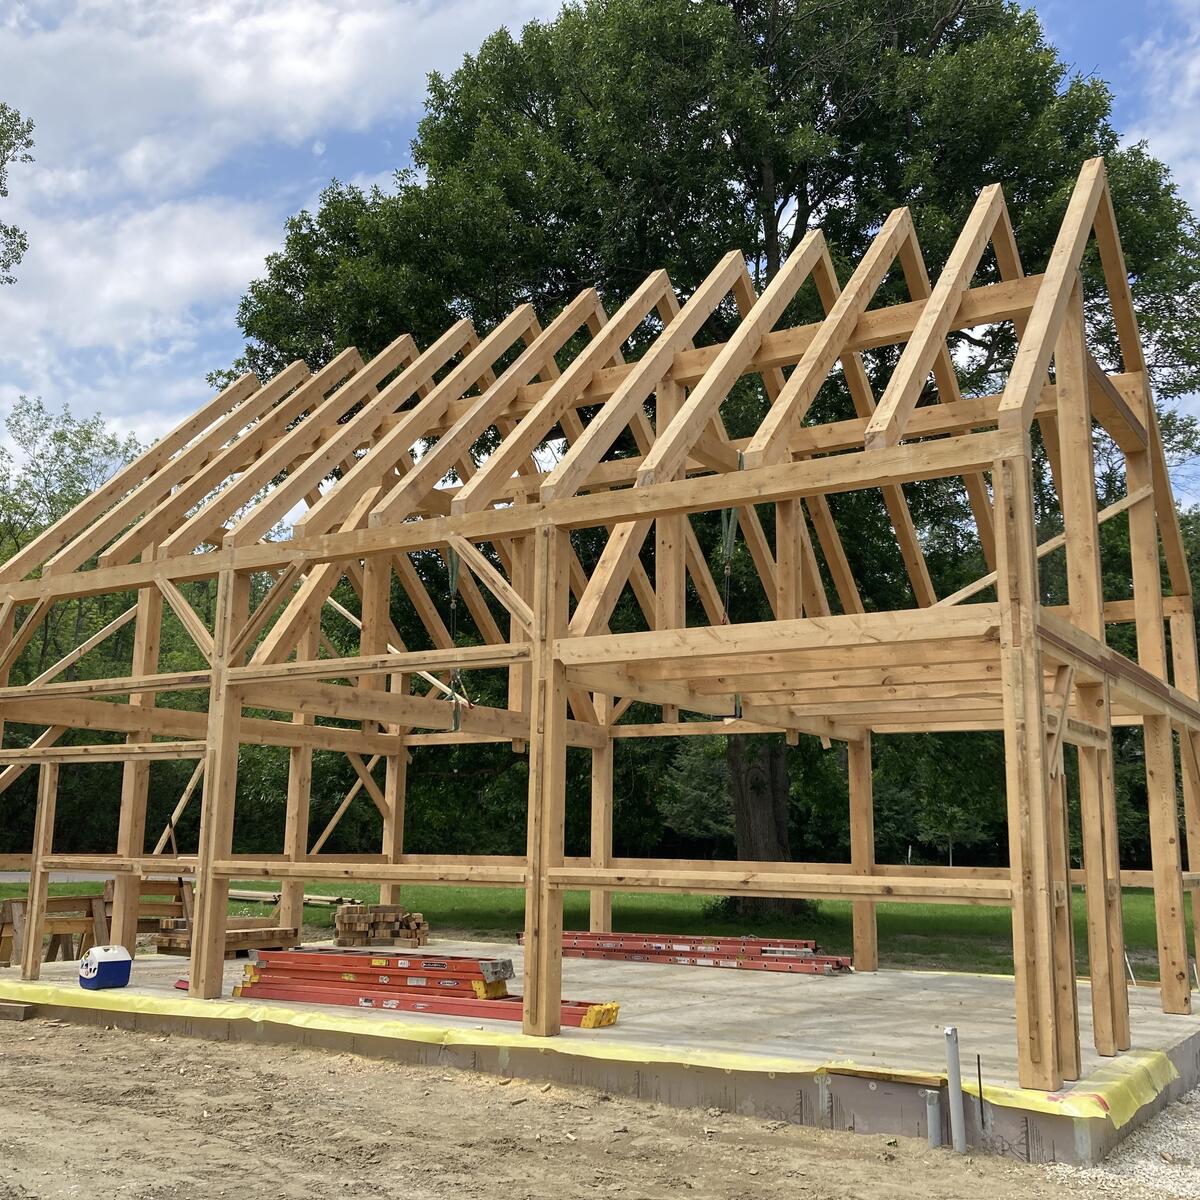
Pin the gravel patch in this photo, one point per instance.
(1163, 1157)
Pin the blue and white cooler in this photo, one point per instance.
(104, 967)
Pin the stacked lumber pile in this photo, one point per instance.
(158, 900)
(745, 953)
(379, 925)
(447, 985)
(67, 917)
(242, 934)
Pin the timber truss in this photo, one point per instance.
(383, 459)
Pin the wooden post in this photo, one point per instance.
(670, 541)
(521, 576)
(1066, 994)
(789, 523)
(1101, 858)
(1166, 860)
(7, 623)
(1183, 652)
(395, 790)
(862, 851)
(135, 777)
(1026, 777)
(375, 638)
(547, 786)
(600, 910)
(39, 877)
(1101, 867)
(1174, 968)
(299, 795)
(220, 793)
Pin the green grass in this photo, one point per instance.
(936, 936)
(953, 937)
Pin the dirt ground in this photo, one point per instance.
(88, 1111)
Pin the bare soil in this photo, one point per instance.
(87, 1111)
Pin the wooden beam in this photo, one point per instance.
(39, 874)
(193, 626)
(491, 578)
(648, 372)
(338, 505)
(770, 441)
(206, 976)
(1027, 780)
(670, 450)
(168, 522)
(862, 850)
(547, 788)
(1037, 344)
(928, 340)
(310, 450)
(152, 461)
(135, 776)
(481, 413)
(561, 395)
(112, 752)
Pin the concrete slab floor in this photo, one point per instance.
(891, 1020)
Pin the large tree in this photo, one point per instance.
(627, 135)
(16, 141)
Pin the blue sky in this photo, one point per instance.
(174, 137)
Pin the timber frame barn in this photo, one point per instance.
(202, 502)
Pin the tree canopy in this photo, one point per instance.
(627, 135)
(16, 141)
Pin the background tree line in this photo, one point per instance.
(623, 136)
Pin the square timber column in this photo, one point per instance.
(1175, 986)
(862, 850)
(1027, 777)
(39, 877)
(220, 792)
(299, 796)
(670, 540)
(135, 776)
(1187, 680)
(521, 575)
(376, 637)
(1097, 808)
(601, 844)
(395, 791)
(547, 785)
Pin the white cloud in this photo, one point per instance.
(128, 293)
(119, 311)
(1168, 65)
(164, 90)
(125, 276)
